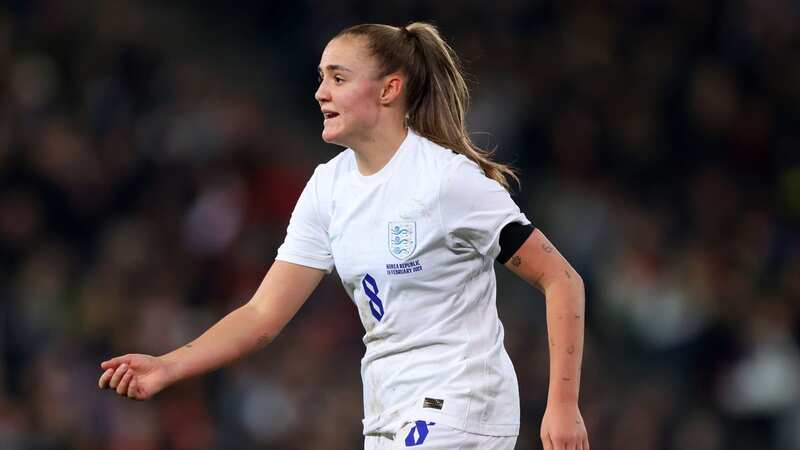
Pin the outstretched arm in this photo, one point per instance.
(540, 263)
(283, 291)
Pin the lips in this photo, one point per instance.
(329, 114)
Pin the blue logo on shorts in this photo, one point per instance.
(417, 434)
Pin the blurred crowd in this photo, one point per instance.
(151, 153)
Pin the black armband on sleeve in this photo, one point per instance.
(512, 236)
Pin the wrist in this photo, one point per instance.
(562, 400)
(172, 367)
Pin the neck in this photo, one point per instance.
(376, 151)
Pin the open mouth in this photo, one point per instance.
(330, 115)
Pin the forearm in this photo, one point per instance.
(235, 335)
(565, 328)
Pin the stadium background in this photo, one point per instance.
(151, 153)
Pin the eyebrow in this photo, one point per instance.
(332, 67)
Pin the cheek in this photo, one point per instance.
(359, 104)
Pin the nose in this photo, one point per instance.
(322, 94)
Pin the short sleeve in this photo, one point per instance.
(474, 208)
(307, 242)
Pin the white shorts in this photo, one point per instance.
(432, 436)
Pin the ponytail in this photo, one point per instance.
(436, 94)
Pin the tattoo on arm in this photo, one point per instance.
(516, 261)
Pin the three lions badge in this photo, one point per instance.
(402, 239)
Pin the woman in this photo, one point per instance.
(413, 216)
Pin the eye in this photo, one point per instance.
(338, 80)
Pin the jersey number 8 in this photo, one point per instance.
(375, 303)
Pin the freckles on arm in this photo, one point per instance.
(541, 264)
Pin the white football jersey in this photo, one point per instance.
(414, 245)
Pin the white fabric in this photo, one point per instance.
(427, 297)
(438, 437)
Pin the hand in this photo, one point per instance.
(137, 377)
(563, 428)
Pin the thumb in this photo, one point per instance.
(115, 362)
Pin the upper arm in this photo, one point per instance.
(307, 243)
(282, 292)
(539, 263)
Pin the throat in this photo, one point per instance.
(373, 156)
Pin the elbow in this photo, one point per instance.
(571, 278)
(579, 282)
(578, 287)
(265, 322)
(568, 281)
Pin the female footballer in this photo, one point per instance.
(412, 215)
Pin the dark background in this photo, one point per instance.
(151, 153)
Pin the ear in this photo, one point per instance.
(393, 85)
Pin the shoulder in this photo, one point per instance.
(335, 167)
(463, 181)
(442, 160)
(449, 172)
(323, 181)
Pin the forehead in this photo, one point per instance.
(347, 53)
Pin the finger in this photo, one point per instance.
(547, 444)
(113, 363)
(122, 388)
(118, 375)
(102, 383)
(132, 389)
(586, 443)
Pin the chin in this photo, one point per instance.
(329, 138)
(332, 137)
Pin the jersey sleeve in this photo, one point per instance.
(474, 208)
(307, 241)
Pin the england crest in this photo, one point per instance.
(402, 239)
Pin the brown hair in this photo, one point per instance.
(437, 96)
